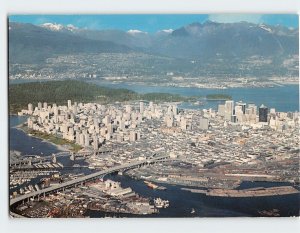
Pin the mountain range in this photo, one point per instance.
(206, 42)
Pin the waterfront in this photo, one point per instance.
(282, 98)
(181, 202)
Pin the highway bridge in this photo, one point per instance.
(87, 178)
(35, 159)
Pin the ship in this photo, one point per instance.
(160, 203)
(154, 186)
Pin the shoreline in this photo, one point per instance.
(204, 190)
(59, 147)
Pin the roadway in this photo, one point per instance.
(86, 178)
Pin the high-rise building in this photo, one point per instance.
(141, 107)
(151, 106)
(204, 123)
(30, 108)
(169, 121)
(175, 110)
(221, 109)
(243, 106)
(95, 142)
(263, 113)
(69, 104)
(183, 124)
(229, 106)
(86, 140)
(45, 105)
(39, 105)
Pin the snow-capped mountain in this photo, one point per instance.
(59, 27)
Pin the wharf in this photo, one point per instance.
(251, 192)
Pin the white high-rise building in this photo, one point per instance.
(221, 110)
(204, 123)
(183, 123)
(229, 106)
(30, 108)
(69, 104)
(141, 107)
(175, 110)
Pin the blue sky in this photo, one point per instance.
(153, 23)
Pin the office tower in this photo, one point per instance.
(263, 113)
(74, 109)
(183, 124)
(242, 105)
(175, 110)
(39, 105)
(169, 121)
(86, 140)
(45, 105)
(30, 108)
(141, 107)
(69, 104)
(221, 109)
(122, 125)
(203, 123)
(253, 108)
(151, 106)
(229, 106)
(95, 142)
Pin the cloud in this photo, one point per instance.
(233, 18)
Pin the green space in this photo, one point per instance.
(54, 139)
(78, 91)
(218, 97)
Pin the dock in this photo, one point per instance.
(251, 192)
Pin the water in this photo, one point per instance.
(181, 202)
(283, 98)
(20, 141)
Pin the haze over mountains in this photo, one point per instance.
(205, 42)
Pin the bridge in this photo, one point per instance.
(33, 159)
(87, 178)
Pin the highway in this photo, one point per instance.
(86, 178)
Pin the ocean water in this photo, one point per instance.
(282, 98)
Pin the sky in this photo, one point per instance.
(153, 23)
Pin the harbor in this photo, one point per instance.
(251, 192)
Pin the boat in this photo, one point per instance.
(154, 186)
(160, 203)
(151, 185)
